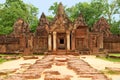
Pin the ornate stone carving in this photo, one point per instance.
(21, 27)
(102, 26)
(80, 22)
(42, 29)
(61, 22)
(60, 35)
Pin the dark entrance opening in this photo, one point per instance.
(61, 41)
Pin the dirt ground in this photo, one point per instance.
(92, 60)
(100, 64)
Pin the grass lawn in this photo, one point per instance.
(107, 71)
(112, 59)
(115, 54)
(2, 60)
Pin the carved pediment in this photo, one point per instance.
(42, 29)
(102, 26)
(21, 27)
(43, 20)
(61, 21)
(80, 22)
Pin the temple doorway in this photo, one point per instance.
(61, 41)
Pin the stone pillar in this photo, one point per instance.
(73, 40)
(54, 41)
(49, 42)
(68, 40)
(101, 41)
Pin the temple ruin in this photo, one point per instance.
(61, 36)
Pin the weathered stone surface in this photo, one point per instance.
(11, 57)
(60, 59)
(56, 77)
(50, 72)
(44, 67)
(102, 26)
(29, 57)
(60, 63)
(7, 71)
(14, 77)
(30, 75)
(84, 70)
(60, 36)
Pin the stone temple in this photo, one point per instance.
(60, 36)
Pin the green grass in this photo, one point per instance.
(111, 59)
(2, 60)
(111, 72)
(115, 54)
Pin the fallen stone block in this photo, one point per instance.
(14, 77)
(30, 75)
(60, 59)
(113, 69)
(7, 71)
(52, 72)
(56, 77)
(60, 63)
(29, 57)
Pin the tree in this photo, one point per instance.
(111, 9)
(11, 10)
(115, 28)
(90, 12)
(94, 10)
(54, 8)
(32, 17)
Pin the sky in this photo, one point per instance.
(44, 5)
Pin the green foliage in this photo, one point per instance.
(54, 8)
(50, 18)
(11, 10)
(110, 59)
(93, 11)
(5, 30)
(32, 17)
(115, 27)
(90, 12)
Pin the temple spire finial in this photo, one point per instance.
(43, 15)
(43, 20)
(60, 9)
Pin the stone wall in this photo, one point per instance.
(9, 44)
(40, 44)
(95, 41)
(112, 43)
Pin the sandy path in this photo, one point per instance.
(14, 64)
(65, 71)
(92, 60)
(100, 64)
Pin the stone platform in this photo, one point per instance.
(62, 52)
(57, 67)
